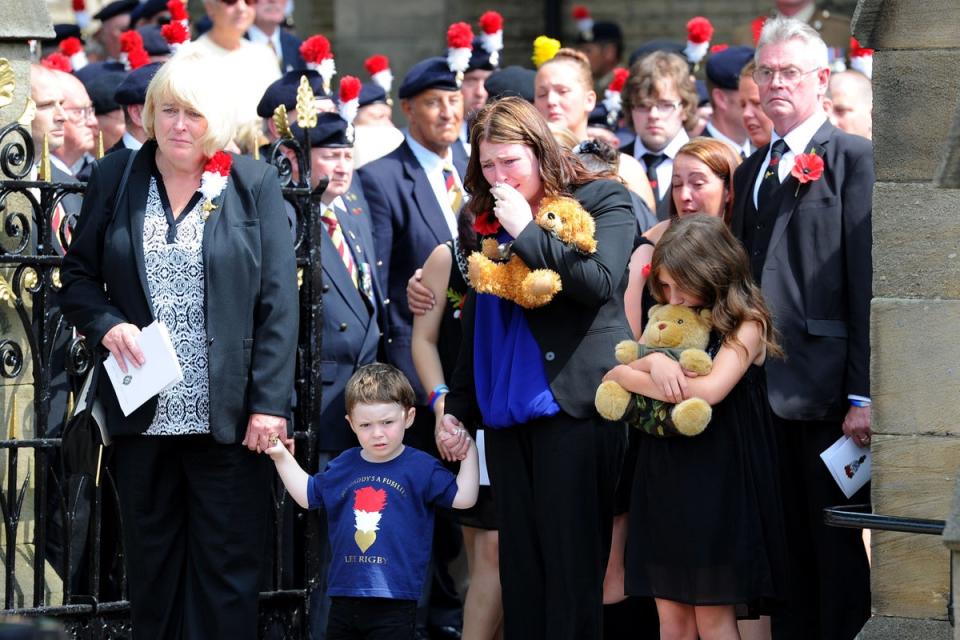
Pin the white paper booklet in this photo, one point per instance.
(849, 464)
(160, 371)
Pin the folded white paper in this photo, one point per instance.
(160, 371)
(849, 464)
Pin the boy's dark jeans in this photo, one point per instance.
(371, 619)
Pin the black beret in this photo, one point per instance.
(62, 31)
(511, 81)
(331, 131)
(133, 90)
(153, 40)
(102, 89)
(667, 46)
(148, 9)
(94, 69)
(723, 68)
(602, 32)
(372, 93)
(116, 8)
(600, 117)
(480, 59)
(284, 91)
(432, 73)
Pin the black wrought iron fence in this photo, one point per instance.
(61, 545)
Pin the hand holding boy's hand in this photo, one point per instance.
(261, 428)
(277, 449)
(452, 436)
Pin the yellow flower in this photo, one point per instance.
(544, 48)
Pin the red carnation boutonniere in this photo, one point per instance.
(808, 167)
(214, 179)
(486, 224)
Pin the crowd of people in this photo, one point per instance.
(734, 180)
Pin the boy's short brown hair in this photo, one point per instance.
(649, 73)
(377, 383)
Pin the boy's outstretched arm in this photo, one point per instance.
(468, 479)
(294, 478)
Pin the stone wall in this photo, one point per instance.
(916, 308)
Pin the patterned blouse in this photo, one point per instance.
(172, 251)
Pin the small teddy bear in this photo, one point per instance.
(682, 333)
(503, 274)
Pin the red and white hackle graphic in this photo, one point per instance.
(378, 66)
(318, 55)
(175, 33)
(581, 15)
(349, 98)
(491, 38)
(80, 13)
(73, 49)
(133, 55)
(459, 48)
(861, 59)
(699, 32)
(178, 13)
(613, 95)
(368, 503)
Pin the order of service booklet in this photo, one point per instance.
(160, 371)
(849, 464)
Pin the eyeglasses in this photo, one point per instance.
(80, 113)
(230, 3)
(789, 75)
(663, 107)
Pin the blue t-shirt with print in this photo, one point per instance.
(380, 521)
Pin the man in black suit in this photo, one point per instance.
(267, 29)
(809, 245)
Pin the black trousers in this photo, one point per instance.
(372, 619)
(554, 481)
(195, 523)
(828, 591)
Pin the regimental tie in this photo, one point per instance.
(653, 160)
(454, 194)
(329, 218)
(771, 178)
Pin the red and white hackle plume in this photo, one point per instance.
(349, 98)
(491, 38)
(699, 32)
(175, 33)
(80, 13)
(132, 53)
(581, 15)
(459, 48)
(73, 49)
(178, 13)
(213, 180)
(368, 504)
(861, 59)
(57, 61)
(316, 52)
(378, 66)
(613, 95)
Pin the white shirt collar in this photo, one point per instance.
(798, 138)
(670, 150)
(130, 142)
(60, 164)
(430, 161)
(256, 34)
(738, 147)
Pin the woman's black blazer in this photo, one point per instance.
(250, 277)
(578, 331)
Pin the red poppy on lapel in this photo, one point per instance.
(356, 211)
(486, 224)
(807, 167)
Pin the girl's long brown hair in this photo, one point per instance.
(705, 260)
(515, 121)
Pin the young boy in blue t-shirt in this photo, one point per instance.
(380, 500)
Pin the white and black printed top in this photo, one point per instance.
(172, 251)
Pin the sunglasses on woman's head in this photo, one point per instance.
(230, 3)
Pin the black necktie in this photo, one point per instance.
(653, 160)
(771, 179)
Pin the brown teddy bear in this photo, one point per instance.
(495, 269)
(682, 333)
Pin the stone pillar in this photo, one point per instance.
(916, 308)
(22, 20)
